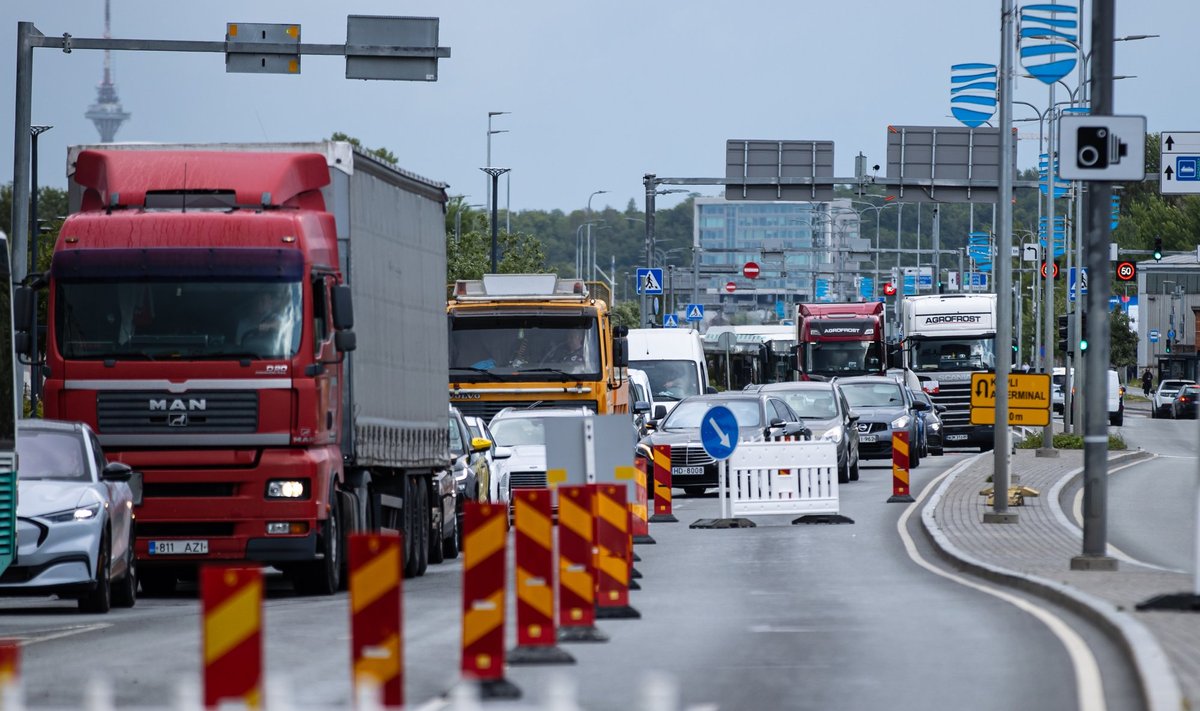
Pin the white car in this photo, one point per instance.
(521, 441)
(1160, 401)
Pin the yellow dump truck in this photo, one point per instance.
(533, 340)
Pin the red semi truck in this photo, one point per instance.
(840, 340)
(201, 302)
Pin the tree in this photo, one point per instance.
(470, 255)
(382, 154)
(1123, 341)
(626, 313)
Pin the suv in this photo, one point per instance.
(1160, 401)
(884, 406)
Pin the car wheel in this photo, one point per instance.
(417, 522)
(99, 600)
(914, 457)
(324, 577)
(940, 451)
(1153, 411)
(695, 490)
(437, 552)
(124, 593)
(854, 471)
(450, 544)
(844, 471)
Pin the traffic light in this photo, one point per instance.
(1064, 332)
(1083, 343)
(1168, 345)
(1157, 248)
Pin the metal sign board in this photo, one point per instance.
(945, 163)
(399, 34)
(1102, 148)
(649, 280)
(1030, 253)
(1028, 399)
(694, 312)
(1082, 275)
(1179, 167)
(240, 57)
(719, 432)
(754, 169)
(1154, 335)
(670, 321)
(572, 459)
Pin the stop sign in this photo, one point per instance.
(750, 270)
(730, 287)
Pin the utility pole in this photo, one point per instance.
(1047, 449)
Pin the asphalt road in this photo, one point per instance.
(778, 616)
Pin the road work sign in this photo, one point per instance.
(1028, 399)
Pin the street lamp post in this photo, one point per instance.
(589, 265)
(35, 380)
(487, 185)
(495, 174)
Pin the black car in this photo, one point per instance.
(884, 406)
(758, 414)
(1184, 404)
(932, 418)
(824, 410)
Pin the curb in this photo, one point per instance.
(1159, 685)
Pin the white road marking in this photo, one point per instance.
(25, 641)
(1088, 685)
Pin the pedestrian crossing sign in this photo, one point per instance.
(649, 280)
(694, 312)
(670, 321)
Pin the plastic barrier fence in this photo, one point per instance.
(782, 478)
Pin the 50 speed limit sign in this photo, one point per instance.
(1126, 271)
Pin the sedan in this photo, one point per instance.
(824, 410)
(1184, 404)
(74, 519)
(758, 414)
(884, 406)
(1160, 401)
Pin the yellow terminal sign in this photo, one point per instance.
(1028, 399)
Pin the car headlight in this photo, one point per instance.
(833, 434)
(287, 489)
(83, 513)
(935, 426)
(900, 422)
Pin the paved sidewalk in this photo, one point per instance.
(1035, 554)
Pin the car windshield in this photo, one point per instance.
(842, 357)
(670, 379)
(815, 405)
(51, 455)
(152, 320)
(518, 431)
(689, 414)
(873, 394)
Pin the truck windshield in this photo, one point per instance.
(670, 379)
(178, 319)
(948, 354)
(842, 358)
(534, 347)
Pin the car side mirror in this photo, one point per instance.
(660, 411)
(710, 390)
(777, 422)
(853, 416)
(641, 407)
(940, 408)
(503, 453)
(651, 425)
(919, 406)
(480, 444)
(117, 471)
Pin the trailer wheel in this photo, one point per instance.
(416, 527)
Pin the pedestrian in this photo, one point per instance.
(1147, 381)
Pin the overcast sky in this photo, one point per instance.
(600, 93)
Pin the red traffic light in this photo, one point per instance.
(889, 289)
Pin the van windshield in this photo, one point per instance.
(670, 379)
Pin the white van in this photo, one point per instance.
(673, 360)
(1116, 394)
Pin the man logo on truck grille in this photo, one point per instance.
(178, 419)
(178, 405)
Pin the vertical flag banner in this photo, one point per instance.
(1046, 33)
(973, 93)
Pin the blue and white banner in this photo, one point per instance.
(1047, 31)
(973, 93)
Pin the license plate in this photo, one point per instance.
(687, 471)
(955, 438)
(178, 547)
(868, 438)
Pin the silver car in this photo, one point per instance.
(74, 519)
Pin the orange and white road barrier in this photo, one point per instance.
(662, 484)
(900, 491)
(612, 540)
(640, 505)
(576, 569)
(10, 669)
(231, 602)
(485, 545)
(376, 615)
(537, 628)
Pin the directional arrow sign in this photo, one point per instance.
(1028, 399)
(1180, 160)
(719, 432)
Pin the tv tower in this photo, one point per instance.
(106, 113)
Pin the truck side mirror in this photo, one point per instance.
(343, 308)
(345, 341)
(24, 306)
(620, 351)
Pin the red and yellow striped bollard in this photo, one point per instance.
(639, 506)
(662, 485)
(485, 545)
(576, 570)
(376, 615)
(10, 666)
(537, 630)
(613, 542)
(231, 599)
(900, 492)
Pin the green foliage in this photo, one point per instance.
(1068, 441)
(1123, 342)
(469, 246)
(626, 313)
(382, 154)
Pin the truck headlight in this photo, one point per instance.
(286, 489)
(900, 422)
(833, 434)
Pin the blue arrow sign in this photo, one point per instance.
(719, 432)
(694, 312)
(1171, 334)
(1186, 167)
(649, 280)
(670, 321)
